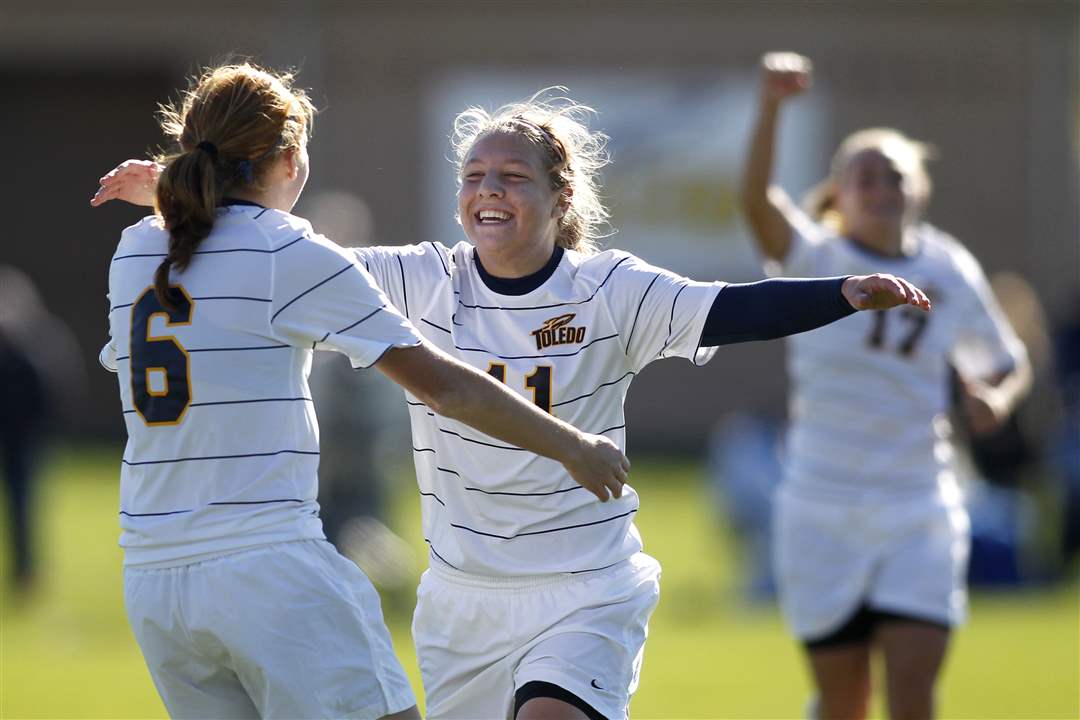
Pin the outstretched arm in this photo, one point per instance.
(782, 75)
(456, 390)
(776, 308)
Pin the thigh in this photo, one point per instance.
(465, 642)
(823, 564)
(595, 649)
(912, 648)
(305, 631)
(842, 678)
(544, 701)
(923, 565)
(584, 634)
(191, 674)
(914, 652)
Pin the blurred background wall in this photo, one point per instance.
(992, 84)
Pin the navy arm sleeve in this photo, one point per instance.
(773, 308)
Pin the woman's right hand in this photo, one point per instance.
(784, 74)
(134, 181)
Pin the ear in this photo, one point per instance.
(563, 203)
(292, 166)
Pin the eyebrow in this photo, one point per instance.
(511, 161)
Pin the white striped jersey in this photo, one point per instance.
(223, 445)
(871, 392)
(572, 346)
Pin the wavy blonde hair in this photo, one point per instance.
(909, 155)
(573, 156)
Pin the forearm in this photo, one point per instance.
(775, 308)
(757, 172)
(489, 406)
(770, 227)
(455, 390)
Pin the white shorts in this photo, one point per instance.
(479, 639)
(906, 556)
(290, 630)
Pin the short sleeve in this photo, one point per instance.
(324, 299)
(659, 313)
(986, 343)
(404, 271)
(108, 354)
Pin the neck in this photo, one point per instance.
(512, 263)
(266, 198)
(884, 241)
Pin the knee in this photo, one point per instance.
(850, 703)
(911, 697)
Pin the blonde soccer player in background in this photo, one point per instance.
(872, 537)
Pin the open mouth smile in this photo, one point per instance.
(492, 217)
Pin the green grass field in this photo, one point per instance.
(67, 652)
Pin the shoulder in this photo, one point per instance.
(425, 256)
(147, 234)
(278, 227)
(600, 267)
(945, 251)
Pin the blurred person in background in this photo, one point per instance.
(1067, 447)
(240, 607)
(745, 464)
(537, 598)
(1017, 496)
(363, 431)
(41, 380)
(871, 533)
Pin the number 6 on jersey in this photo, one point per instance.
(161, 358)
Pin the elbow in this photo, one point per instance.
(753, 198)
(435, 398)
(446, 399)
(751, 202)
(1024, 376)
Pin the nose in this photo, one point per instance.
(490, 186)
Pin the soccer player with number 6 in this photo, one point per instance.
(871, 535)
(240, 606)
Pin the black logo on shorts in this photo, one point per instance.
(595, 685)
(557, 331)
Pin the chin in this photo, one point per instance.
(484, 237)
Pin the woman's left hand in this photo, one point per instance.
(882, 291)
(983, 406)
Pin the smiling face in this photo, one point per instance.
(872, 194)
(506, 204)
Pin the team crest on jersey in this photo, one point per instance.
(558, 331)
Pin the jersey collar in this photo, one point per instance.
(227, 202)
(521, 285)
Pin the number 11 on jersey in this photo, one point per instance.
(539, 381)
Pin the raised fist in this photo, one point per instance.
(784, 74)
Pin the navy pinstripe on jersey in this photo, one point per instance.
(238, 467)
(493, 509)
